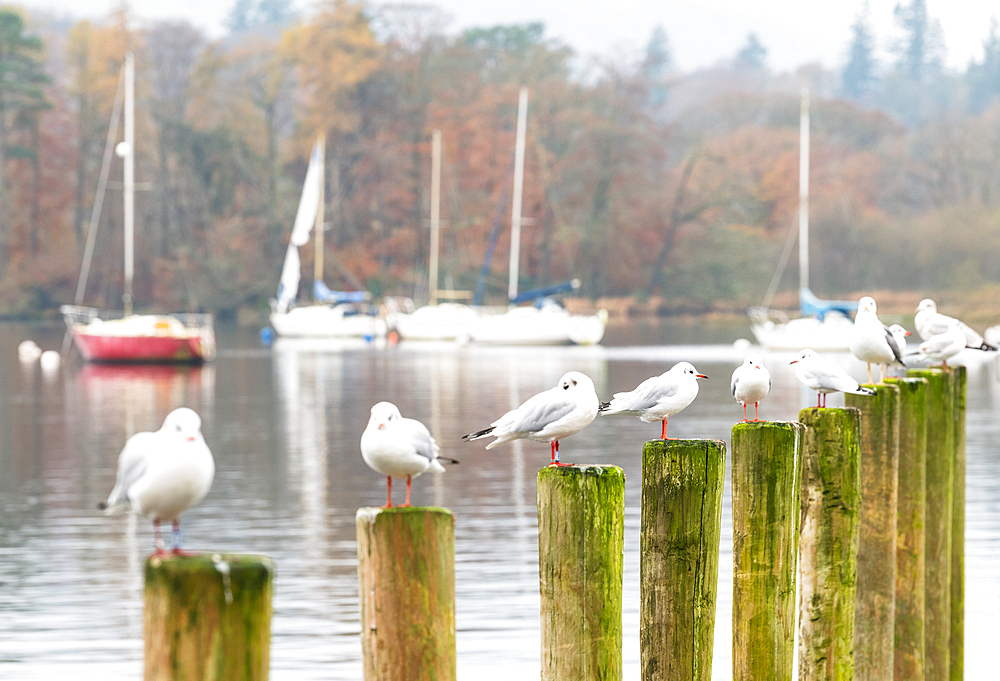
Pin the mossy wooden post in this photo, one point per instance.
(875, 599)
(406, 580)
(937, 528)
(682, 484)
(957, 652)
(207, 617)
(911, 509)
(767, 459)
(581, 543)
(828, 543)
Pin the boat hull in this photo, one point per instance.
(152, 349)
(327, 321)
(833, 334)
(549, 325)
(107, 336)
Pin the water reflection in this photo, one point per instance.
(284, 426)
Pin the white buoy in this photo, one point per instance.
(50, 360)
(28, 351)
(742, 345)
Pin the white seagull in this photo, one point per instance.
(751, 383)
(398, 447)
(930, 322)
(163, 474)
(871, 340)
(825, 376)
(899, 334)
(549, 416)
(659, 397)
(942, 346)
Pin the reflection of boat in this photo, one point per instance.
(334, 314)
(121, 336)
(151, 390)
(826, 324)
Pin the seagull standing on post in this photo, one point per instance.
(399, 447)
(659, 397)
(751, 383)
(163, 474)
(549, 416)
(930, 322)
(871, 340)
(942, 346)
(825, 376)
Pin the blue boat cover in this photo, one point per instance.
(323, 294)
(809, 304)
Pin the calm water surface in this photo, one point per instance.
(284, 425)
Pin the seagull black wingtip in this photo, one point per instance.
(479, 433)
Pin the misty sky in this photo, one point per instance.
(701, 33)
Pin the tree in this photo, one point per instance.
(920, 50)
(753, 54)
(859, 76)
(22, 76)
(984, 77)
(656, 67)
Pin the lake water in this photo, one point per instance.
(284, 425)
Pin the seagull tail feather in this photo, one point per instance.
(604, 407)
(445, 459)
(478, 434)
(987, 347)
(862, 390)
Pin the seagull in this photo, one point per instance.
(398, 447)
(163, 474)
(549, 416)
(825, 376)
(28, 351)
(659, 397)
(871, 340)
(930, 322)
(943, 345)
(899, 334)
(751, 383)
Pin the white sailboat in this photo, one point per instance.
(121, 335)
(434, 321)
(826, 325)
(334, 314)
(546, 322)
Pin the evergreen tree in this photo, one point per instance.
(22, 75)
(859, 76)
(984, 77)
(656, 66)
(753, 54)
(920, 51)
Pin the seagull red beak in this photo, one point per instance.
(793, 361)
(907, 333)
(191, 439)
(381, 426)
(700, 376)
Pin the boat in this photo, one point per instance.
(122, 335)
(333, 314)
(825, 325)
(545, 321)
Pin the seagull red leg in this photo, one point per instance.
(177, 542)
(755, 405)
(744, 413)
(388, 498)
(408, 479)
(161, 550)
(663, 430)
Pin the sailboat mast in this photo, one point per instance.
(129, 181)
(515, 217)
(318, 229)
(435, 213)
(804, 191)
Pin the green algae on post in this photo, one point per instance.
(581, 542)
(682, 484)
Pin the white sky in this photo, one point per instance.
(701, 32)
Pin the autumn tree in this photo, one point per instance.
(22, 75)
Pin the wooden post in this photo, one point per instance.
(828, 543)
(957, 651)
(207, 617)
(581, 542)
(875, 600)
(406, 580)
(910, 516)
(937, 528)
(682, 484)
(767, 458)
